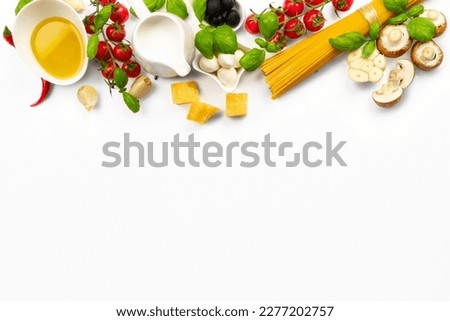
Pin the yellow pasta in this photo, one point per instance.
(291, 66)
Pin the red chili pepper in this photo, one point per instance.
(46, 85)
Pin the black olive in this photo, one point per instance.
(228, 4)
(216, 20)
(233, 18)
(213, 8)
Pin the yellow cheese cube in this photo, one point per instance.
(185, 92)
(201, 112)
(236, 105)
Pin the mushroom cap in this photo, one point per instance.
(438, 19)
(394, 41)
(403, 74)
(427, 56)
(388, 96)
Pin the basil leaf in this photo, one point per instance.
(92, 46)
(225, 40)
(398, 20)
(120, 78)
(368, 49)
(348, 41)
(416, 11)
(268, 24)
(102, 17)
(199, 9)
(260, 42)
(204, 42)
(131, 102)
(374, 31)
(273, 48)
(177, 7)
(154, 5)
(421, 29)
(252, 59)
(396, 6)
(21, 4)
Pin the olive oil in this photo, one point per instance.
(58, 47)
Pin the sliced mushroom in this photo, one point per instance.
(403, 74)
(438, 19)
(427, 56)
(388, 96)
(394, 41)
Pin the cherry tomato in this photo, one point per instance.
(106, 2)
(279, 39)
(120, 14)
(132, 68)
(342, 5)
(314, 20)
(122, 52)
(116, 32)
(314, 3)
(108, 70)
(294, 28)
(103, 52)
(281, 18)
(293, 7)
(252, 24)
(88, 22)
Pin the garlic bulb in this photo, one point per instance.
(88, 97)
(77, 5)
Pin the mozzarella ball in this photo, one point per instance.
(227, 76)
(209, 65)
(238, 55)
(226, 61)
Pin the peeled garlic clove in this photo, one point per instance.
(226, 61)
(208, 65)
(141, 87)
(238, 55)
(77, 5)
(88, 97)
(227, 76)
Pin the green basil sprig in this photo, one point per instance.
(225, 40)
(92, 46)
(416, 11)
(252, 59)
(120, 78)
(369, 48)
(350, 41)
(199, 7)
(204, 42)
(102, 17)
(396, 6)
(131, 102)
(268, 24)
(374, 31)
(398, 20)
(421, 29)
(21, 4)
(154, 5)
(177, 7)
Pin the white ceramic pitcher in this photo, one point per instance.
(162, 42)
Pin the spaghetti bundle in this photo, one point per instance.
(288, 68)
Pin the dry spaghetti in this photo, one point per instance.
(290, 67)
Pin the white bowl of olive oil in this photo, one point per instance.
(51, 38)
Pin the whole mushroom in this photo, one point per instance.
(427, 56)
(438, 19)
(394, 41)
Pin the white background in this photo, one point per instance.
(377, 229)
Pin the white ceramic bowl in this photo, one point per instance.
(230, 89)
(27, 20)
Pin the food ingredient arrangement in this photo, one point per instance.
(380, 30)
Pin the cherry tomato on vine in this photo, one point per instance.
(314, 20)
(252, 24)
(293, 7)
(106, 2)
(132, 68)
(279, 39)
(122, 52)
(342, 5)
(88, 22)
(281, 18)
(103, 52)
(116, 32)
(120, 14)
(314, 3)
(108, 70)
(294, 28)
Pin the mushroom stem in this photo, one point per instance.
(395, 36)
(428, 53)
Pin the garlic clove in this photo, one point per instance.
(77, 5)
(141, 87)
(88, 97)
